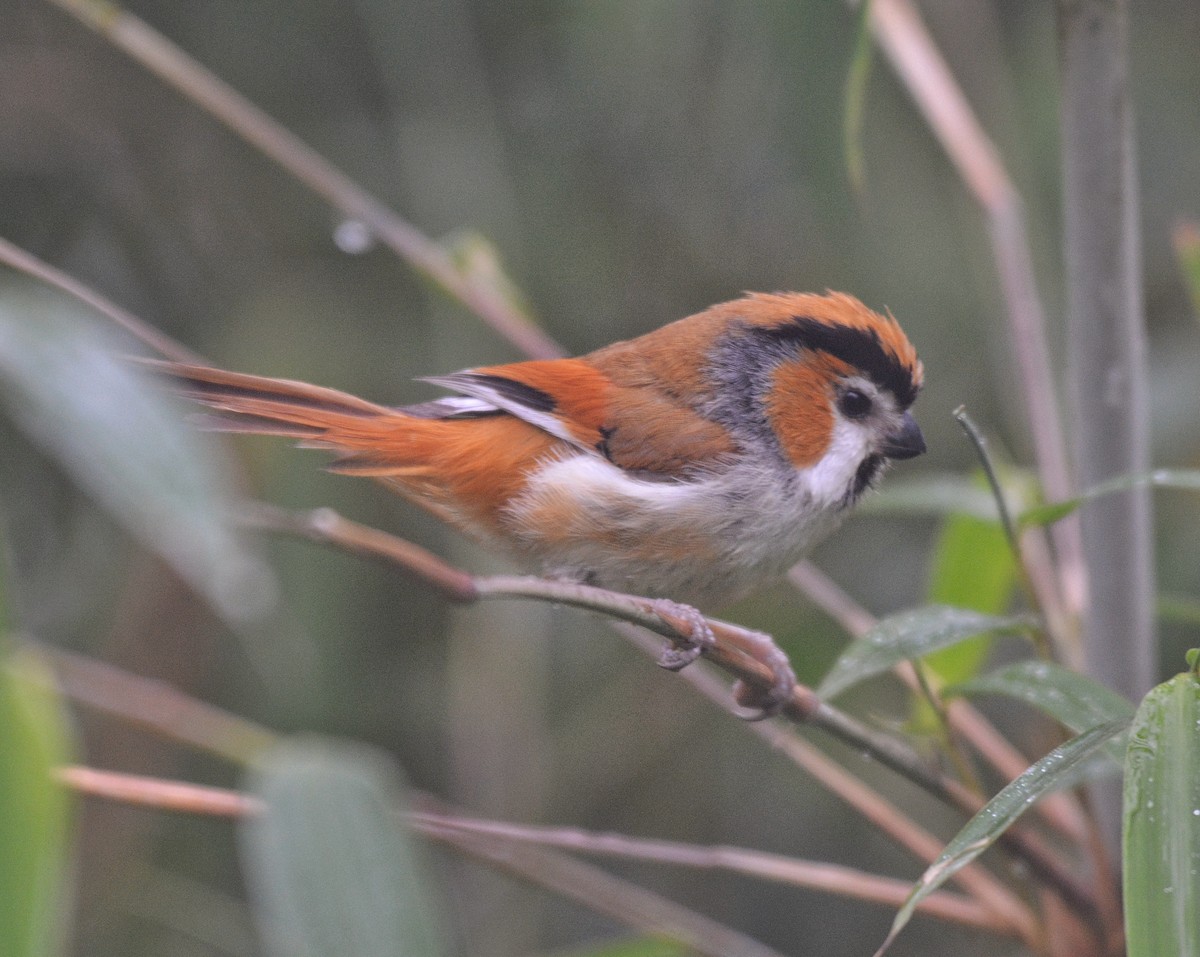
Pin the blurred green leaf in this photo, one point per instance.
(857, 80)
(1180, 609)
(1057, 769)
(633, 947)
(125, 442)
(330, 866)
(1185, 238)
(943, 494)
(34, 809)
(911, 634)
(1072, 699)
(973, 567)
(1187, 480)
(1161, 823)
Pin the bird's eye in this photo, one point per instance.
(854, 404)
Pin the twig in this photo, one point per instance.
(156, 705)
(734, 649)
(156, 793)
(627, 903)
(26, 262)
(174, 67)
(829, 878)
(916, 60)
(848, 882)
(989, 470)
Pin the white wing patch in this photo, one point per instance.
(490, 397)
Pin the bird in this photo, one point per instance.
(691, 463)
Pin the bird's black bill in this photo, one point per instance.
(907, 442)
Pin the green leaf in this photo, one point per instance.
(34, 809)
(937, 495)
(1187, 480)
(1057, 769)
(330, 866)
(1186, 240)
(1070, 698)
(633, 947)
(1161, 823)
(908, 635)
(1179, 609)
(857, 80)
(973, 567)
(125, 443)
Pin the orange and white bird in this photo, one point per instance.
(690, 463)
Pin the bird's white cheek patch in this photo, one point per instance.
(830, 478)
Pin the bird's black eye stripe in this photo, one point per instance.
(854, 404)
(859, 347)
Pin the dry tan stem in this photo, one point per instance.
(174, 67)
(190, 798)
(920, 66)
(600, 891)
(26, 262)
(830, 878)
(625, 902)
(157, 706)
(157, 793)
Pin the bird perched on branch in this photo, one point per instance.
(690, 463)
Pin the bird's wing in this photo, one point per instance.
(640, 429)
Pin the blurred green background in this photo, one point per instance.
(631, 162)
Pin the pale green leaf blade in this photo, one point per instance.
(125, 443)
(911, 634)
(34, 809)
(1185, 237)
(1179, 609)
(1072, 699)
(1057, 769)
(331, 869)
(932, 495)
(1161, 823)
(973, 567)
(633, 947)
(1186, 480)
(857, 80)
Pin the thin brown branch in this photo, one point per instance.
(191, 798)
(173, 66)
(156, 793)
(326, 525)
(735, 649)
(157, 706)
(914, 56)
(164, 345)
(627, 903)
(829, 878)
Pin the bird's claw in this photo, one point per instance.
(677, 656)
(757, 704)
